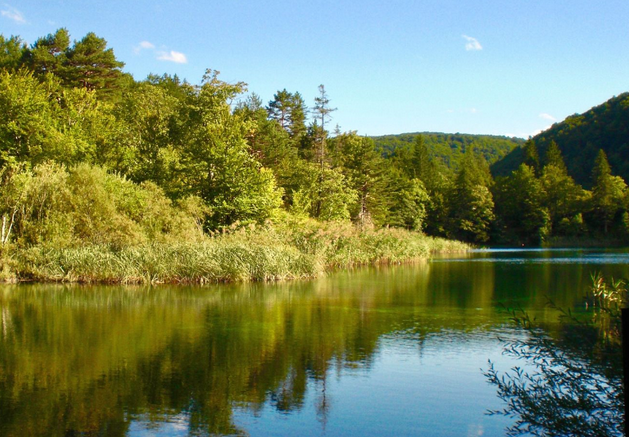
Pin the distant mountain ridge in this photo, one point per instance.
(450, 148)
(579, 137)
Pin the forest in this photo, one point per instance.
(89, 156)
(580, 137)
(447, 150)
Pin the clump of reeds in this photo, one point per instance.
(212, 261)
(288, 250)
(83, 224)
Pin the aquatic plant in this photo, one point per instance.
(571, 385)
(290, 249)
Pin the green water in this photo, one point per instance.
(382, 351)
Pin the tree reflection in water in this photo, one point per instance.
(333, 356)
(116, 360)
(571, 380)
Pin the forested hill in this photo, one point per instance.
(580, 137)
(450, 148)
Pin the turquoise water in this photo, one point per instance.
(379, 351)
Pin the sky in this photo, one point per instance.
(499, 67)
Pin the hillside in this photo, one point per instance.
(579, 138)
(450, 148)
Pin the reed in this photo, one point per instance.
(83, 224)
(290, 249)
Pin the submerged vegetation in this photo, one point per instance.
(570, 384)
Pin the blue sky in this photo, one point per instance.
(504, 67)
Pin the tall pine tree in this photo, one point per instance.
(608, 192)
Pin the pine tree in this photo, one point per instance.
(601, 171)
(322, 114)
(49, 54)
(555, 158)
(409, 201)
(12, 53)
(561, 195)
(472, 202)
(289, 110)
(421, 164)
(280, 107)
(91, 65)
(531, 156)
(608, 192)
(519, 206)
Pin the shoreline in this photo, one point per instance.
(267, 253)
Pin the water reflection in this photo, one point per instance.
(544, 256)
(403, 344)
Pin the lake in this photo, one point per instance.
(377, 351)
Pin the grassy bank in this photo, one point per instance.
(83, 224)
(291, 249)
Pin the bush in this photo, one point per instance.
(84, 205)
(84, 224)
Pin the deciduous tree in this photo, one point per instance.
(217, 163)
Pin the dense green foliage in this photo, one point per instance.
(449, 149)
(94, 165)
(538, 195)
(580, 137)
(90, 156)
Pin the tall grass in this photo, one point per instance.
(289, 249)
(83, 224)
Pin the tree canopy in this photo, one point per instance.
(579, 138)
(68, 103)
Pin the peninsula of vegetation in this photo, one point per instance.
(108, 179)
(104, 178)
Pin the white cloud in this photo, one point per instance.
(547, 117)
(172, 56)
(12, 14)
(143, 45)
(146, 45)
(472, 43)
(163, 54)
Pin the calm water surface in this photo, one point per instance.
(383, 351)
